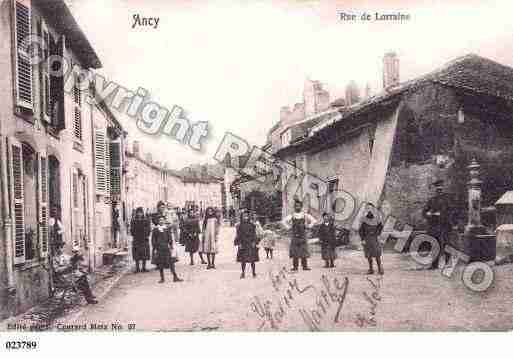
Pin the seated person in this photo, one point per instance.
(67, 269)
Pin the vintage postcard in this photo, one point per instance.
(255, 166)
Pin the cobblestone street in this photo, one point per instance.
(404, 299)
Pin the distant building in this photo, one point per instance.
(150, 182)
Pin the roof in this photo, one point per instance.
(470, 73)
(57, 13)
(300, 129)
(507, 198)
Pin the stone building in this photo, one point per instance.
(389, 148)
(202, 188)
(150, 181)
(50, 153)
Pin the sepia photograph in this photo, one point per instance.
(291, 166)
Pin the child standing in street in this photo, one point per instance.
(328, 240)
(246, 240)
(268, 241)
(210, 236)
(162, 243)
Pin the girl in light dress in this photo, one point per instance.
(210, 236)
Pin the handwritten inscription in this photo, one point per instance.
(332, 292)
(369, 319)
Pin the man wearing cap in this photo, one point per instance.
(437, 212)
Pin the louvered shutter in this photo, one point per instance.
(18, 197)
(23, 77)
(100, 161)
(57, 86)
(108, 184)
(43, 204)
(75, 213)
(74, 189)
(77, 117)
(115, 168)
(44, 74)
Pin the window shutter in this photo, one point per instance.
(115, 167)
(77, 123)
(74, 188)
(17, 191)
(57, 87)
(108, 184)
(23, 76)
(44, 76)
(100, 163)
(77, 99)
(43, 205)
(75, 213)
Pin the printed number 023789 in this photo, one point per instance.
(15, 345)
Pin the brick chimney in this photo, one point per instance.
(390, 70)
(352, 93)
(136, 148)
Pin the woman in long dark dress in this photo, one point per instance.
(140, 229)
(246, 240)
(369, 234)
(328, 241)
(191, 233)
(162, 243)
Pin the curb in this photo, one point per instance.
(78, 314)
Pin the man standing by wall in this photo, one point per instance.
(437, 212)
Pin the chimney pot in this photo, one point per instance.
(390, 70)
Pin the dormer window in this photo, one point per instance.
(286, 137)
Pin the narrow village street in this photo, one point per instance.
(405, 299)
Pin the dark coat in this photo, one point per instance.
(140, 230)
(191, 231)
(298, 244)
(162, 243)
(439, 226)
(247, 241)
(369, 234)
(328, 241)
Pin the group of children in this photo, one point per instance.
(249, 233)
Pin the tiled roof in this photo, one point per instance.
(470, 73)
(478, 74)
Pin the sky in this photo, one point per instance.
(235, 63)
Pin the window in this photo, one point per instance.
(115, 167)
(333, 185)
(286, 138)
(29, 193)
(56, 94)
(23, 68)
